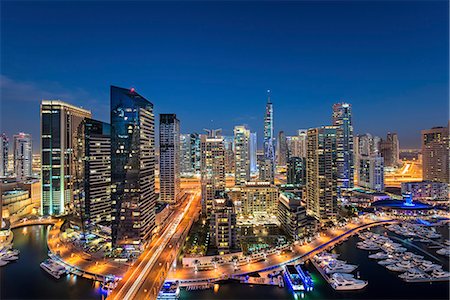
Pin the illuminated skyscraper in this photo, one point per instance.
(282, 149)
(22, 156)
(241, 155)
(296, 170)
(297, 144)
(342, 119)
(435, 154)
(133, 167)
(169, 157)
(371, 172)
(269, 150)
(212, 168)
(321, 173)
(185, 154)
(228, 142)
(4, 149)
(60, 123)
(390, 150)
(253, 149)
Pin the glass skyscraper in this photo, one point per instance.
(133, 167)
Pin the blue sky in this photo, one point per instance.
(212, 62)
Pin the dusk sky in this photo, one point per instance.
(211, 63)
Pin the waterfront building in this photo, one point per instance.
(258, 199)
(253, 156)
(293, 218)
(390, 150)
(169, 157)
(92, 190)
(241, 155)
(282, 149)
(23, 156)
(223, 224)
(269, 150)
(342, 119)
(371, 172)
(186, 166)
(212, 168)
(435, 154)
(60, 123)
(4, 149)
(321, 173)
(426, 190)
(296, 170)
(133, 167)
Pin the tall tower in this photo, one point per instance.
(212, 168)
(4, 149)
(22, 156)
(169, 157)
(253, 148)
(132, 167)
(435, 154)
(241, 155)
(282, 149)
(342, 119)
(60, 123)
(269, 151)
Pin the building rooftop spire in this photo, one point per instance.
(268, 97)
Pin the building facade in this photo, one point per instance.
(293, 218)
(4, 151)
(223, 225)
(296, 170)
(390, 150)
(297, 144)
(258, 199)
(23, 156)
(282, 149)
(426, 190)
(371, 172)
(186, 166)
(241, 155)
(435, 154)
(253, 149)
(269, 149)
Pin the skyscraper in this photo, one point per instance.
(253, 149)
(371, 172)
(60, 123)
(212, 168)
(296, 170)
(196, 152)
(4, 149)
(22, 156)
(297, 144)
(241, 155)
(269, 150)
(390, 150)
(342, 119)
(435, 154)
(186, 166)
(228, 142)
(321, 173)
(223, 224)
(133, 167)
(92, 198)
(282, 149)
(169, 157)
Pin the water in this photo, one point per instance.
(24, 278)
(383, 284)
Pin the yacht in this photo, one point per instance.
(293, 278)
(429, 268)
(379, 255)
(345, 283)
(170, 290)
(411, 276)
(9, 257)
(443, 251)
(340, 268)
(53, 268)
(368, 246)
(440, 274)
(3, 263)
(388, 261)
(395, 268)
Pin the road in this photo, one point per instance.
(145, 278)
(410, 171)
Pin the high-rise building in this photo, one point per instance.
(296, 170)
(133, 167)
(282, 149)
(241, 155)
(169, 157)
(186, 166)
(4, 149)
(253, 157)
(258, 199)
(60, 123)
(426, 190)
(269, 150)
(212, 168)
(390, 150)
(196, 152)
(92, 196)
(342, 119)
(223, 225)
(297, 144)
(23, 156)
(292, 217)
(371, 172)
(321, 173)
(228, 142)
(266, 170)
(435, 154)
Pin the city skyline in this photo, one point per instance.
(383, 68)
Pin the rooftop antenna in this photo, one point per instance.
(268, 96)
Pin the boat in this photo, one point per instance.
(292, 278)
(412, 275)
(440, 274)
(345, 283)
(53, 268)
(395, 268)
(9, 257)
(3, 263)
(169, 290)
(379, 255)
(443, 251)
(388, 261)
(306, 278)
(340, 268)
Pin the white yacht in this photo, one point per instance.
(379, 255)
(345, 283)
(3, 263)
(444, 251)
(440, 274)
(9, 257)
(388, 261)
(395, 268)
(340, 268)
(53, 268)
(412, 275)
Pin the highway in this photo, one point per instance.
(410, 171)
(145, 278)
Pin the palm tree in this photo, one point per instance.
(235, 259)
(196, 263)
(214, 261)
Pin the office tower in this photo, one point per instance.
(371, 172)
(296, 170)
(342, 119)
(228, 142)
(321, 173)
(186, 165)
(132, 167)
(169, 157)
(241, 155)
(22, 156)
(196, 152)
(292, 217)
(297, 144)
(266, 170)
(4, 149)
(390, 150)
(223, 224)
(282, 149)
(269, 150)
(212, 168)
(435, 154)
(92, 196)
(253, 157)
(258, 199)
(426, 190)
(60, 123)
